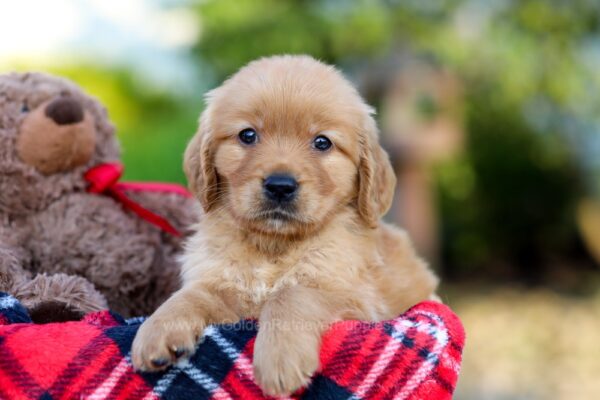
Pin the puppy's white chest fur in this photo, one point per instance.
(246, 281)
(253, 283)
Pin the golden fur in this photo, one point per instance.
(330, 259)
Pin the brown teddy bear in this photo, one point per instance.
(68, 247)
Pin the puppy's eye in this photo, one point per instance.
(322, 143)
(24, 108)
(248, 136)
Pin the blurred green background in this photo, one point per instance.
(490, 110)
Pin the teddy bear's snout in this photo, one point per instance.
(57, 136)
(64, 111)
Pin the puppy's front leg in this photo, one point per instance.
(286, 351)
(174, 329)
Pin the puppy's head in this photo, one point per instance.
(286, 143)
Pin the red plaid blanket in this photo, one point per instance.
(415, 356)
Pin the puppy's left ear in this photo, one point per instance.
(198, 164)
(376, 176)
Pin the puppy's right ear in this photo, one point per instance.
(376, 176)
(198, 164)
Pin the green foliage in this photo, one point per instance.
(153, 148)
(519, 206)
(238, 31)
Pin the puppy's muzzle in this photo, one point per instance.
(280, 188)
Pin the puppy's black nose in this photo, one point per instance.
(65, 111)
(280, 187)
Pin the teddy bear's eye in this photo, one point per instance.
(24, 108)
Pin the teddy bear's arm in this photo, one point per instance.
(48, 298)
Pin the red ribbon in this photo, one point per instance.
(104, 179)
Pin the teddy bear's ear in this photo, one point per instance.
(198, 164)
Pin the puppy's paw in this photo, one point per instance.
(283, 365)
(162, 341)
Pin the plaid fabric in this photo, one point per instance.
(415, 356)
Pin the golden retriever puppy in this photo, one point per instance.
(293, 182)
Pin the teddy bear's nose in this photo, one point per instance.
(65, 111)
